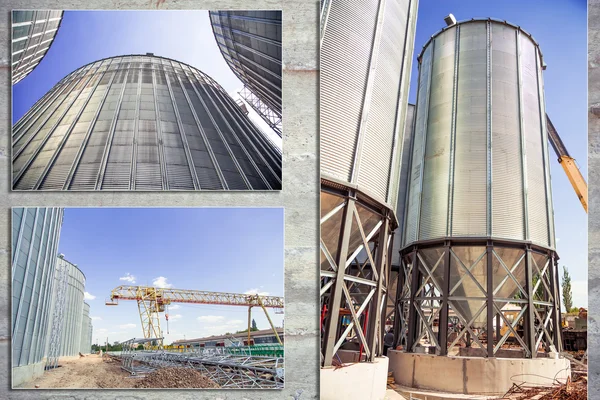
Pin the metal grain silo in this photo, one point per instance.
(35, 236)
(366, 54)
(250, 42)
(85, 329)
(479, 219)
(140, 123)
(70, 332)
(32, 35)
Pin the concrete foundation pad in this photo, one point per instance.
(27, 373)
(360, 381)
(474, 375)
(421, 394)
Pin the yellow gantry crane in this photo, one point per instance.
(152, 301)
(568, 163)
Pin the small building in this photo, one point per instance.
(265, 336)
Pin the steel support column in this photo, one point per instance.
(490, 298)
(443, 325)
(331, 325)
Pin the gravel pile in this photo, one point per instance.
(176, 378)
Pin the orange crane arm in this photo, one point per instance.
(165, 296)
(568, 163)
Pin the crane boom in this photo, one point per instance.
(568, 163)
(152, 301)
(169, 295)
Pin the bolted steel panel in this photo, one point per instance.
(364, 92)
(35, 236)
(33, 33)
(70, 335)
(140, 123)
(479, 165)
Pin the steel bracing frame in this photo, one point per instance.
(58, 313)
(241, 371)
(436, 284)
(356, 240)
(272, 118)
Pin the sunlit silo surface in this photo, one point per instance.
(85, 344)
(479, 214)
(250, 41)
(35, 237)
(364, 92)
(70, 340)
(481, 132)
(140, 123)
(32, 35)
(366, 56)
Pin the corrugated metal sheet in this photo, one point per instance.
(250, 42)
(109, 123)
(484, 138)
(35, 236)
(364, 66)
(33, 32)
(70, 336)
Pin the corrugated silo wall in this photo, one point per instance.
(480, 131)
(403, 186)
(140, 123)
(35, 237)
(73, 310)
(365, 73)
(85, 326)
(90, 333)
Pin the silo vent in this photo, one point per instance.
(61, 255)
(150, 54)
(450, 20)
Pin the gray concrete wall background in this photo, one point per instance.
(594, 198)
(299, 197)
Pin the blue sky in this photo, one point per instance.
(235, 250)
(560, 27)
(87, 36)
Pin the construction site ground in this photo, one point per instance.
(95, 372)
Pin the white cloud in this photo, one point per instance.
(127, 326)
(174, 307)
(88, 296)
(174, 317)
(256, 291)
(96, 318)
(128, 277)
(211, 318)
(161, 282)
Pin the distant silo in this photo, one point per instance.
(140, 122)
(35, 236)
(33, 32)
(85, 329)
(365, 63)
(250, 42)
(478, 233)
(70, 335)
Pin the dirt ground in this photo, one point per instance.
(94, 372)
(89, 372)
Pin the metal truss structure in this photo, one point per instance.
(228, 370)
(272, 118)
(61, 277)
(478, 297)
(356, 241)
(152, 301)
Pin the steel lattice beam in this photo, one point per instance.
(266, 113)
(167, 296)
